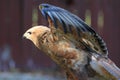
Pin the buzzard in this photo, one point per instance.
(73, 45)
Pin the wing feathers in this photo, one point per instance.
(71, 23)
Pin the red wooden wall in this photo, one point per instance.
(16, 16)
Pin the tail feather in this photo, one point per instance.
(105, 67)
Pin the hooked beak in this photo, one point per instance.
(24, 37)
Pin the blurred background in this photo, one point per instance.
(21, 56)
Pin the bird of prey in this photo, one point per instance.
(73, 45)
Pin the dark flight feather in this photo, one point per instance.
(69, 22)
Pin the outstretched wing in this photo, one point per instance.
(72, 24)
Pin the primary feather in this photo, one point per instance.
(75, 26)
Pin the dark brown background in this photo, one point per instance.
(16, 16)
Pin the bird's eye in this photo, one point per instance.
(30, 32)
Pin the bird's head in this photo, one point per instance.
(33, 33)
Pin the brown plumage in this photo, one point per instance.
(82, 53)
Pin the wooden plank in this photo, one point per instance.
(4, 21)
(94, 8)
(14, 31)
(26, 8)
(112, 29)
